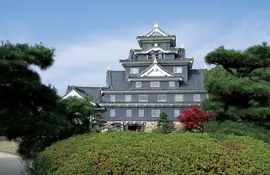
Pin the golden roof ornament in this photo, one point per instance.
(108, 68)
(155, 24)
(155, 60)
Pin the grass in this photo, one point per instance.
(7, 146)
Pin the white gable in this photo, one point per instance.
(157, 32)
(73, 93)
(155, 49)
(155, 71)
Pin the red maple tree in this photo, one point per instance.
(193, 119)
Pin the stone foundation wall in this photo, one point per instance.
(177, 125)
(149, 126)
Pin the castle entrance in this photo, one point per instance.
(134, 127)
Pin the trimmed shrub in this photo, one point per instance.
(152, 153)
(238, 128)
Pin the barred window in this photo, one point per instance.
(112, 113)
(154, 84)
(178, 97)
(171, 83)
(127, 98)
(128, 113)
(138, 84)
(140, 113)
(155, 112)
(143, 98)
(197, 97)
(112, 98)
(134, 70)
(177, 70)
(161, 97)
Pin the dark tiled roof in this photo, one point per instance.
(116, 80)
(195, 81)
(84, 91)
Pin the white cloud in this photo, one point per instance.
(84, 62)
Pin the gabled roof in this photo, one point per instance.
(157, 34)
(156, 31)
(155, 70)
(83, 91)
(156, 48)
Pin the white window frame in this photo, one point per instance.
(160, 99)
(138, 84)
(178, 97)
(154, 112)
(143, 96)
(177, 70)
(128, 113)
(171, 83)
(134, 70)
(127, 98)
(154, 84)
(140, 113)
(176, 112)
(112, 112)
(112, 98)
(197, 97)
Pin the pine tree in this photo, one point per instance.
(239, 86)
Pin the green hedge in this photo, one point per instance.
(131, 153)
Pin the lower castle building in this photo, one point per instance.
(157, 77)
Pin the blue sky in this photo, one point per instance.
(89, 35)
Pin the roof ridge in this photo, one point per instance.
(88, 86)
(116, 70)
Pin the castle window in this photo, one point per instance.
(155, 112)
(140, 113)
(112, 98)
(177, 70)
(171, 84)
(197, 97)
(138, 84)
(154, 84)
(161, 97)
(176, 112)
(143, 98)
(112, 113)
(127, 98)
(134, 70)
(128, 113)
(178, 97)
(161, 56)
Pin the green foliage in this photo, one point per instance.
(238, 98)
(239, 87)
(159, 130)
(163, 124)
(97, 121)
(78, 112)
(25, 102)
(238, 128)
(32, 113)
(241, 63)
(149, 153)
